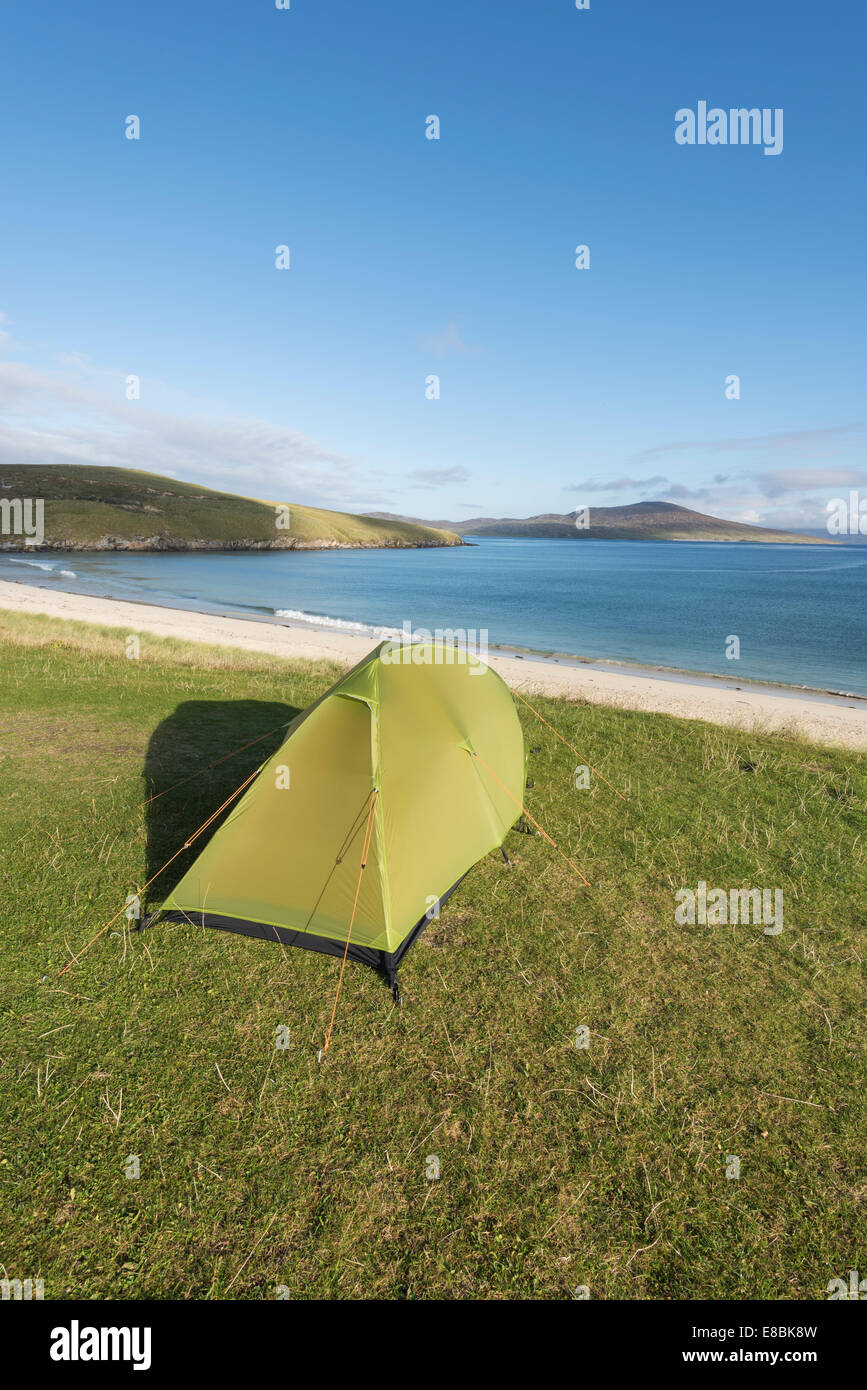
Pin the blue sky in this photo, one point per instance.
(412, 257)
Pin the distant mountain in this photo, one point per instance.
(640, 521)
(90, 508)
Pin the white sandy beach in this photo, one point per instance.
(823, 720)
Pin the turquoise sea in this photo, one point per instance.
(799, 612)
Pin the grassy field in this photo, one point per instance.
(84, 506)
(561, 1167)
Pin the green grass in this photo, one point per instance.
(84, 506)
(559, 1167)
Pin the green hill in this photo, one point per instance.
(95, 508)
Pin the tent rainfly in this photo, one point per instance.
(412, 765)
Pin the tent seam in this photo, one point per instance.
(379, 815)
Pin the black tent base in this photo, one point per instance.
(385, 962)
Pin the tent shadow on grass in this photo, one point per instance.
(198, 733)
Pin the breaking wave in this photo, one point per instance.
(43, 565)
(342, 624)
(35, 564)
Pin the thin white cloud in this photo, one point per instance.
(437, 477)
(623, 484)
(79, 414)
(742, 500)
(805, 479)
(804, 440)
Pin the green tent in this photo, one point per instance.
(417, 751)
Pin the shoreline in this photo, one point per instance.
(373, 633)
(824, 717)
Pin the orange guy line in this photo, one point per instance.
(568, 744)
(368, 834)
(541, 829)
(184, 846)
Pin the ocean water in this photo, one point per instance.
(799, 612)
